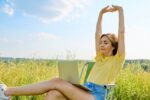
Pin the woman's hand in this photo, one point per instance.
(106, 9)
(115, 8)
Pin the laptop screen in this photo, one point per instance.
(68, 70)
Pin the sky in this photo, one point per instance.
(65, 29)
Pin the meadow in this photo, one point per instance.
(133, 82)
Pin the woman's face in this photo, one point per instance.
(105, 46)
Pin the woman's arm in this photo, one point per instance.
(121, 30)
(99, 27)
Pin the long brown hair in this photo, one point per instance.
(113, 39)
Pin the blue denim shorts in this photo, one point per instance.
(98, 91)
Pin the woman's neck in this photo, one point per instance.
(108, 55)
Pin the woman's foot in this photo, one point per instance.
(2, 94)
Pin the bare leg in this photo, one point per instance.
(55, 95)
(67, 89)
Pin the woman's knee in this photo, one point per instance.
(54, 94)
(58, 82)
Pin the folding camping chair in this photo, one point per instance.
(109, 87)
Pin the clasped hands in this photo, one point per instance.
(112, 8)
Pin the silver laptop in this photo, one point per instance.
(68, 70)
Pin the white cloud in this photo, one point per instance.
(47, 36)
(71, 9)
(8, 40)
(7, 7)
(44, 36)
(52, 10)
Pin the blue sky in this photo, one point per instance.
(57, 28)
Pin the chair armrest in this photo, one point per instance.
(83, 68)
(109, 86)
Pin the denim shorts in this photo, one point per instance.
(98, 91)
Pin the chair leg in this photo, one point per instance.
(106, 94)
(109, 94)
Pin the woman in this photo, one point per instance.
(110, 56)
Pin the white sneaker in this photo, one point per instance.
(2, 95)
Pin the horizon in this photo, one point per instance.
(35, 58)
(61, 28)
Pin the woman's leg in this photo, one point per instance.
(55, 95)
(67, 89)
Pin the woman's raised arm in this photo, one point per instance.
(121, 29)
(99, 27)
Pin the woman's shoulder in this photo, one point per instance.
(120, 57)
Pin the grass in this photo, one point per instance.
(23, 73)
(133, 82)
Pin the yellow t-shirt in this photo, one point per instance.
(106, 69)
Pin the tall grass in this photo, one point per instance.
(133, 82)
(28, 72)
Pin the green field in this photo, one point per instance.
(133, 82)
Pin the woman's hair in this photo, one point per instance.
(113, 40)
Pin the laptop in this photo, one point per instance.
(68, 70)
